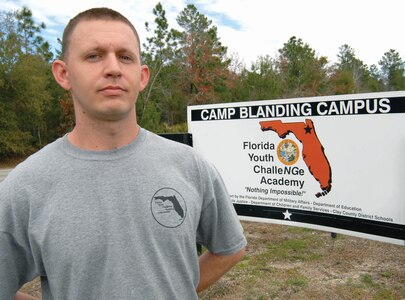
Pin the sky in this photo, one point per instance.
(257, 27)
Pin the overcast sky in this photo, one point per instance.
(250, 28)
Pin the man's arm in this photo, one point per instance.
(22, 296)
(213, 266)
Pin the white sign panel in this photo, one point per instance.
(334, 163)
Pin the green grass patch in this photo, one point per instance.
(299, 230)
(368, 281)
(387, 274)
(297, 281)
(293, 249)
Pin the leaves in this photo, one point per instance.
(189, 65)
(25, 92)
(392, 70)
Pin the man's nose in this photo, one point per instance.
(112, 66)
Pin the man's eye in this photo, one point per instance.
(126, 58)
(93, 57)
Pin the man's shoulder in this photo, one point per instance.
(165, 144)
(178, 154)
(46, 153)
(37, 162)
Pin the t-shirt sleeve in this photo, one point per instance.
(219, 229)
(16, 262)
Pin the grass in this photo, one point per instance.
(296, 263)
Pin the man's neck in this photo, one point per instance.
(104, 136)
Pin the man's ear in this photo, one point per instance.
(60, 74)
(144, 76)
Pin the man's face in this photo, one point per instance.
(103, 70)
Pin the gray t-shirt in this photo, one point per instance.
(120, 224)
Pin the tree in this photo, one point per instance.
(262, 82)
(302, 73)
(23, 98)
(392, 70)
(350, 74)
(158, 55)
(375, 83)
(31, 95)
(32, 42)
(12, 140)
(188, 66)
(202, 58)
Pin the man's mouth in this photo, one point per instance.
(112, 90)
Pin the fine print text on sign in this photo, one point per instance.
(332, 163)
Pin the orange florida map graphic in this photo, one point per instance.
(312, 149)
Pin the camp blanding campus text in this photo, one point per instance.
(305, 109)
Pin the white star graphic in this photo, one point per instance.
(287, 215)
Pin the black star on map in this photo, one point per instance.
(308, 129)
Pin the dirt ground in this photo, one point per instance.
(284, 262)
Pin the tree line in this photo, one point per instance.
(188, 66)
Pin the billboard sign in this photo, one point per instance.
(333, 163)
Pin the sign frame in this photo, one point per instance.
(387, 108)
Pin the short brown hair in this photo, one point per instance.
(98, 13)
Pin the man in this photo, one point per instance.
(112, 211)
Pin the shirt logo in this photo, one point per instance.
(168, 207)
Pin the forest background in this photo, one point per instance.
(188, 66)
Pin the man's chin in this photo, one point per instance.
(115, 115)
